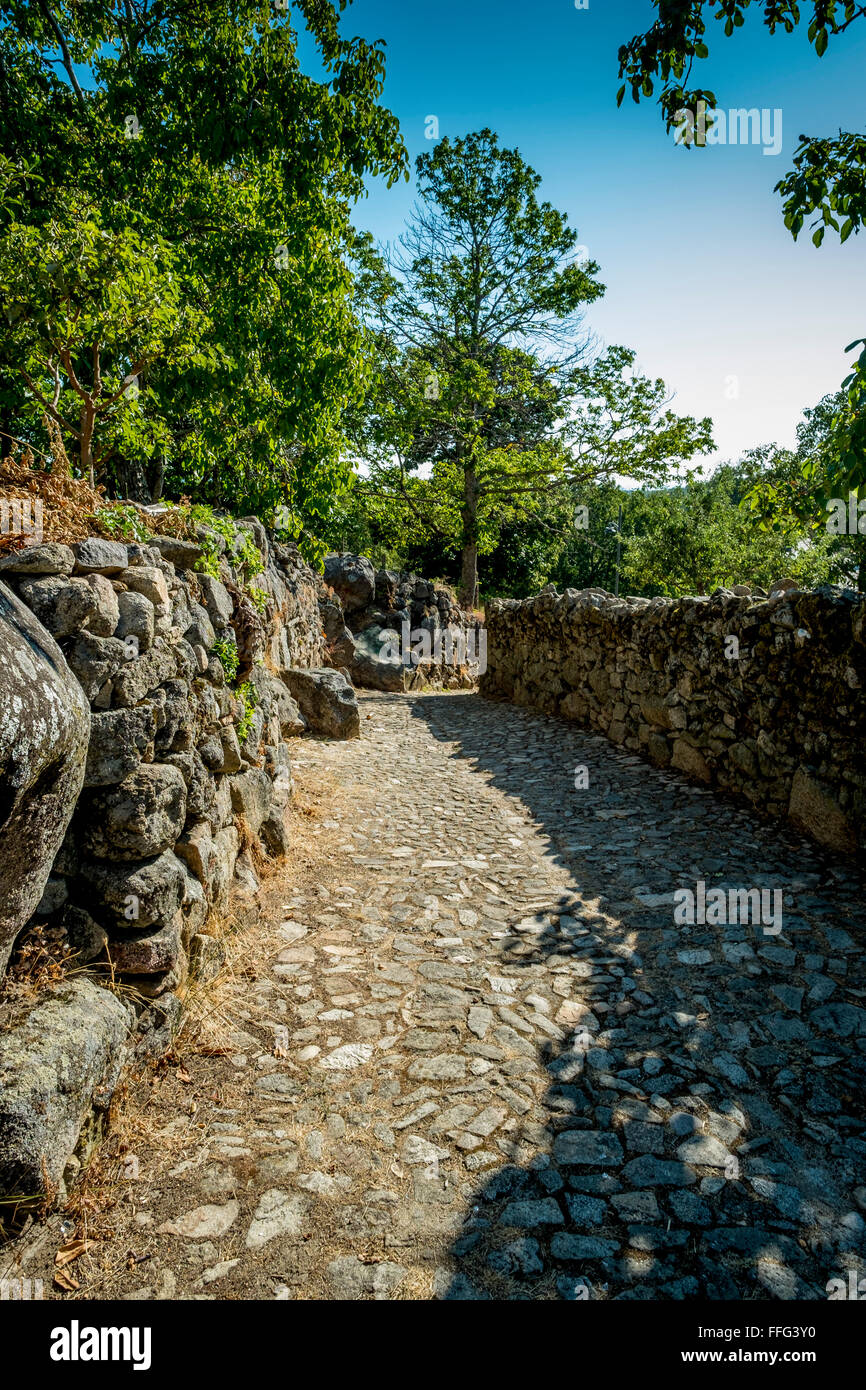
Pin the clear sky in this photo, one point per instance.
(703, 279)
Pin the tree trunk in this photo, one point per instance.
(131, 481)
(469, 515)
(158, 480)
(88, 420)
(469, 574)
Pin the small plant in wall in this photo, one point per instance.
(247, 694)
(242, 552)
(210, 560)
(246, 556)
(259, 598)
(228, 654)
(123, 522)
(201, 523)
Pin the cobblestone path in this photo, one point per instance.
(482, 1061)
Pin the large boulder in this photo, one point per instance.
(376, 664)
(353, 578)
(275, 699)
(327, 702)
(58, 1065)
(44, 732)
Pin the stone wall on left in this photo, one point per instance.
(145, 710)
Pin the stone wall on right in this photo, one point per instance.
(763, 697)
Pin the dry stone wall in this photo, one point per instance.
(189, 710)
(145, 711)
(44, 732)
(392, 630)
(759, 695)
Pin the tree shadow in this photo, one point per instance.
(701, 1129)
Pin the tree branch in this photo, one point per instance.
(66, 359)
(52, 411)
(64, 49)
(127, 382)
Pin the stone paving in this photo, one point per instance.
(485, 1062)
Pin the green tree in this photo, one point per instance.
(90, 310)
(484, 374)
(565, 539)
(788, 492)
(194, 126)
(695, 538)
(828, 181)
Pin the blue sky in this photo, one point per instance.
(704, 281)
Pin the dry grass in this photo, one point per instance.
(315, 797)
(70, 506)
(41, 959)
(72, 510)
(102, 1206)
(250, 845)
(213, 1026)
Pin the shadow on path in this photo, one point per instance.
(703, 1123)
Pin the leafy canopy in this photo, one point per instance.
(192, 131)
